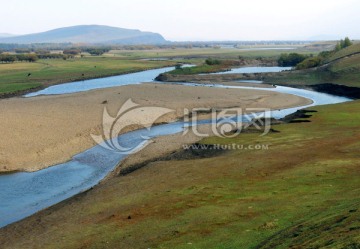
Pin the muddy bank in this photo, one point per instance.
(194, 151)
(20, 93)
(336, 89)
(329, 88)
(197, 150)
(213, 78)
(303, 115)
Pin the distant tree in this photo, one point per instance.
(290, 60)
(22, 50)
(32, 57)
(51, 56)
(342, 43)
(97, 51)
(211, 62)
(309, 63)
(337, 47)
(178, 66)
(347, 42)
(72, 51)
(42, 51)
(7, 58)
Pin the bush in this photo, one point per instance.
(51, 56)
(309, 63)
(178, 66)
(72, 51)
(97, 51)
(290, 60)
(10, 58)
(7, 58)
(211, 62)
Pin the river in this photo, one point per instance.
(23, 194)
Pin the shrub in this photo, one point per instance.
(290, 60)
(72, 51)
(309, 63)
(9, 58)
(211, 62)
(97, 51)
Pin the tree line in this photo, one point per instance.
(309, 61)
(29, 55)
(291, 60)
(343, 44)
(10, 58)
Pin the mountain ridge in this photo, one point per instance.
(90, 34)
(6, 35)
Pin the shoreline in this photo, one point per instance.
(323, 87)
(139, 160)
(46, 85)
(157, 182)
(81, 114)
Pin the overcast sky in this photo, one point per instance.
(191, 19)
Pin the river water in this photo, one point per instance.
(23, 194)
(255, 70)
(87, 85)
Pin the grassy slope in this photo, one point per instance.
(343, 68)
(13, 77)
(344, 52)
(309, 176)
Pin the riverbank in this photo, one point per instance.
(302, 191)
(47, 130)
(19, 78)
(268, 78)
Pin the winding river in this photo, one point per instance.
(23, 194)
(255, 70)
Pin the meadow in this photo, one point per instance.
(341, 68)
(20, 77)
(203, 53)
(24, 75)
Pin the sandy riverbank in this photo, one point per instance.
(43, 131)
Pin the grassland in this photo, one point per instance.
(354, 49)
(224, 53)
(14, 77)
(341, 68)
(301, 193)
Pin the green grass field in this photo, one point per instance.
(14, 76)
(228, 53)
(345, 52)
(301, 193)
(343, 68)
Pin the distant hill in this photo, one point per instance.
(4, 35)
(94, 34)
